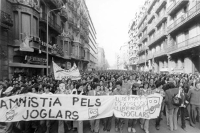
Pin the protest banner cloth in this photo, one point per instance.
(133, 106)
(32, 106)
(60, 73)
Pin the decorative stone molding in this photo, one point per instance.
(35, 4)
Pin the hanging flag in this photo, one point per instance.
(60, 73)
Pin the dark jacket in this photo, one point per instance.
(169, 94)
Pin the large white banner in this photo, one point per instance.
(54, 107)
(31, 106)
(147, 107)
(60, 73)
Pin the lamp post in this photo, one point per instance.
(47, 46)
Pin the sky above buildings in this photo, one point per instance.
(111, 19)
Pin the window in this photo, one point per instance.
(16, 25)
(42, 36)
(35, 25)
(26, 24)
(53, 40)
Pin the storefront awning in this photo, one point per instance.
(27, 65)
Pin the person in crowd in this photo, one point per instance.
(194, 100)
(182, 108)
(145, 90)
(95, 123)
(119, 122)
(172, 109)
(159, 90)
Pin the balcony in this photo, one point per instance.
(143, 38)
(151, 5)
(64, 15)
(142, 19)
(151, 16)
(187, 44)
(58, 51)
(158, 36)
(151, 28)
(161, 4)
(142, 49)
(143, 27)
(6, 20)
(162, 18)
(185, 19)
(52, 23)
(160, 53)
(176, 5)
(54, 3)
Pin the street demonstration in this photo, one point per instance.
(98, 97)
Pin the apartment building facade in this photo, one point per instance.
(133, 45)
(93, 64)
(168, 34)
(24, 23)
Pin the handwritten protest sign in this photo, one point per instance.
(60, 73)
(54, 107)
(146, 107)
(31, 106)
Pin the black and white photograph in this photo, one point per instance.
(99, 66)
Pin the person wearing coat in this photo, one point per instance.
(173, 110)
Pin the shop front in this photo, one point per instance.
(28, 65)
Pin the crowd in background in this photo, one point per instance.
(181, 99)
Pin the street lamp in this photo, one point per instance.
(47, 46)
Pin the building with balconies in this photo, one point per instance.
(23, 38)
(133, 44)
(172, 36)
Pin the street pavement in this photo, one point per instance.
(163, 128)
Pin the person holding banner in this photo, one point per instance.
(95, 123)
(119, 122)
(159, 90)
(146, 90)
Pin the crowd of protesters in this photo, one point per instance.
(185, 88)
